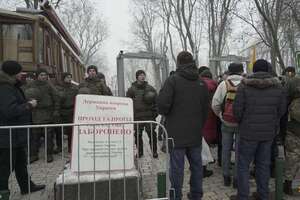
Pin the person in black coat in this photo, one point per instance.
(14, 110)
(259, 104)
(183, 100)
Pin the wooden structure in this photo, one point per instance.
(38, 39)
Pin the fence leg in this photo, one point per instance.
(279, 167)
(161, 185)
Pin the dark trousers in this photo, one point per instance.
(260, 153)
(35, 138)
(138, 136)
(193, 155)
(19, 165)
(58, 137)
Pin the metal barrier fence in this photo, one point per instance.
(111, 184)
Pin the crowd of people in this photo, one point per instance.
(247, 113)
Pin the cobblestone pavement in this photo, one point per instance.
(44, 173)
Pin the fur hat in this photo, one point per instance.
(11, 67)
(235, 68)
(261, 65)
(185, 58)
(92, 67)
(139, 72)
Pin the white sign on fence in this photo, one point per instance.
(105, 147)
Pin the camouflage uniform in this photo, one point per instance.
(93, 86)
(46, 111)
(292, 140)
(67, 93)
(292, 151)
(144, 104)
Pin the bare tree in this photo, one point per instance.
(219, 13)
(152, 39)
(35, 3)
(86, 26)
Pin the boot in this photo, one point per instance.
(33, 158)
(227, 181)
(4, 194)
(287, 187)
(207, 173)
(155, 155)
(234, 183)
(33, 188)
(49, 158)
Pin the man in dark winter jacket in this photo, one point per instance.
(93, 84)
(259, 104)
(14, 110)
(144, 103)
(184, 102)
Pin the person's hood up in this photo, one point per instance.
(188, 71)
(261, 80)
(235, 79)
(6, 79)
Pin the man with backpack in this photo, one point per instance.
(258, 106)
(222, 106)
(292, 139)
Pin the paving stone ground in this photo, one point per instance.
(45, 173)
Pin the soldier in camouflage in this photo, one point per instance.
(292, 138)
(67, 92)
(92, 84)
(144, 103)
(46, 111)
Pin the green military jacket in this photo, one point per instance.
(67, 93)
(47, 101)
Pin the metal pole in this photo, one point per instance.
(279, 167)
(120, 74)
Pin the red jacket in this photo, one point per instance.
(210, 127)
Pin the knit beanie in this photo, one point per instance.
(206, 73)
(235, 68)
(41, 70)
(202, 68)
(139, 72)
(11, 67)
(91, 67)
(289, 69)
(261, 65)
(185, 58)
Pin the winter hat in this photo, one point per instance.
(11, 67)
(64, 75)
(289, 69)
(202, 68)
(261, 65)
(91, 67)
(206, 73)
(139, 72)
(185, 58)
(40, 70)
(235, 68)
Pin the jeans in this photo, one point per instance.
(229, 136)
(260, 153)
(193, 155)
